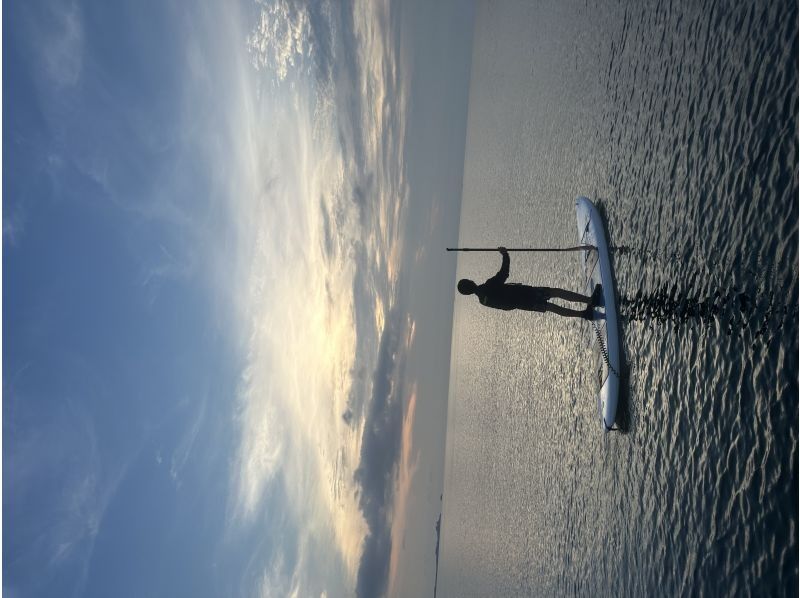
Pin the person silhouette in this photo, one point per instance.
(498, 294)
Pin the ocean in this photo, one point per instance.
(680, 120)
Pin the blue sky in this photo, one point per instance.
(227, 311)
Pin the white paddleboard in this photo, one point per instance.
(596, 267)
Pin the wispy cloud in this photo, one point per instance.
(53, 61)
(58, 448)
(183, 450)
(61, 44)
(13, 225)
(275, 584)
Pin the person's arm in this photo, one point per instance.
(502, 275)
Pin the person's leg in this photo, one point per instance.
(569, 295)
(586, 314)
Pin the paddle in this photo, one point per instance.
(577, 248)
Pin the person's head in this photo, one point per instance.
(466, 286)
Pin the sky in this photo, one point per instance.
(227, 310)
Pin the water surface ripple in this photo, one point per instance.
(681, 119)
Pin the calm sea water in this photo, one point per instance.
(680, 118)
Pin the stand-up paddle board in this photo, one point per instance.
(596, 265)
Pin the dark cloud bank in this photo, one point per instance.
(380, 449)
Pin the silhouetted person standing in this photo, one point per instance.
(496, 293)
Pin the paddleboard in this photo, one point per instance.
(596, 268)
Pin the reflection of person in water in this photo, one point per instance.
(499, 295)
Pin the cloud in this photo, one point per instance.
(44, 72)
(385, 438)
(14, 221)
(286, 185)
(183, 451)
(58, 491)
(281, 38)
(297, 232)
(275, 584)
(303, 259)
(261, 449)
(407, 465)
(62, 44)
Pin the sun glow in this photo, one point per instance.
(300, 316)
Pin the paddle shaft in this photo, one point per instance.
(538, 249)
